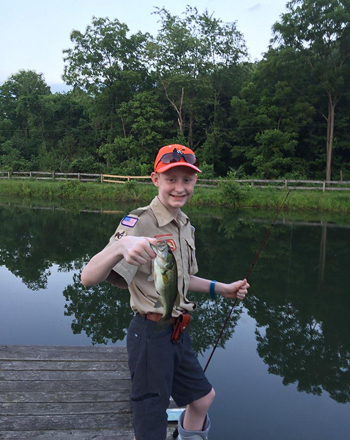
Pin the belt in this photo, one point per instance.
(156, 317)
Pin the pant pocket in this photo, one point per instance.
(133, 346)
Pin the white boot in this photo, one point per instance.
(193, 435)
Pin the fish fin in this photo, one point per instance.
(162, 324)
(158, 304)
(150, 278)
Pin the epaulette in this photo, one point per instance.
(139, 211)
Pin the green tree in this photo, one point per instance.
(270, 113)
(110, 67)
(21, 117)
(320, 32)
(144, 130)
(188, 56)
(69, 134)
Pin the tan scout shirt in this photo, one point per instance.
(156, 221)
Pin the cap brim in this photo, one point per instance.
(164, 167)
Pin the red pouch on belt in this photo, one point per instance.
(180, 326)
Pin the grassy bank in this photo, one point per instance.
(226, 195)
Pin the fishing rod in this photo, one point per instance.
(176, 432)
(247, 276)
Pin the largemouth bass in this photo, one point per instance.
(165, 281)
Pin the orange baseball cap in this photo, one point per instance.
(173, 156)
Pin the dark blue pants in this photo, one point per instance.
(160, 369)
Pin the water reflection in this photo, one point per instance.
(299, 296)
(103, 313)
(302, 314)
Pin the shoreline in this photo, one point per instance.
(228, 196)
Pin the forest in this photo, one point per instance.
(284, 116)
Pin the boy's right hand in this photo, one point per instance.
(137, 250)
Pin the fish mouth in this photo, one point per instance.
(162, 245)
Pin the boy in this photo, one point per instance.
(159, 367)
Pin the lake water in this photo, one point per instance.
(281, 371)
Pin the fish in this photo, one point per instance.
(165, 281)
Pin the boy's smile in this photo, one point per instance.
(175, 187)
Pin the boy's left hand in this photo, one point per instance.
(238, 289)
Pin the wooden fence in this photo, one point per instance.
(317, 185)
(48, 175)
(111, 178)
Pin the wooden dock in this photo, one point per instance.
(64, 392)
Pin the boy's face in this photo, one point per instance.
(175, 187)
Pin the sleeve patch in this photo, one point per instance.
(130, 222)
(119, 235)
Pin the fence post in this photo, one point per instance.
(101, 178)
(286, 183)
(53, 175)
(324, 186)
(79, 177)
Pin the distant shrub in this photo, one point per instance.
(207, 171)
(231, 192)
(87, 165)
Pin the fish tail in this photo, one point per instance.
(162, 324)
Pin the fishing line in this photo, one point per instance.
(247, 276)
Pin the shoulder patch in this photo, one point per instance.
(128, 221)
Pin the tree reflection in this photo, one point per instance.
(299, 352)
(302, 326)
(102, 312)
(32, 241)
(207, 321)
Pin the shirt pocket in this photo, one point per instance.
(191, 256)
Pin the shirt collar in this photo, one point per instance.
(163, 216)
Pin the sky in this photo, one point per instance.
(33, 33)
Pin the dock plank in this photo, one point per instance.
(66, 396)
(48, 386)
(60, 352)
(54, 375)
(104, 434)
(57, 408)
(64, 365)
(66, 421)
(63, 392)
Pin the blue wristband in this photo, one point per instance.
(212, 289)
